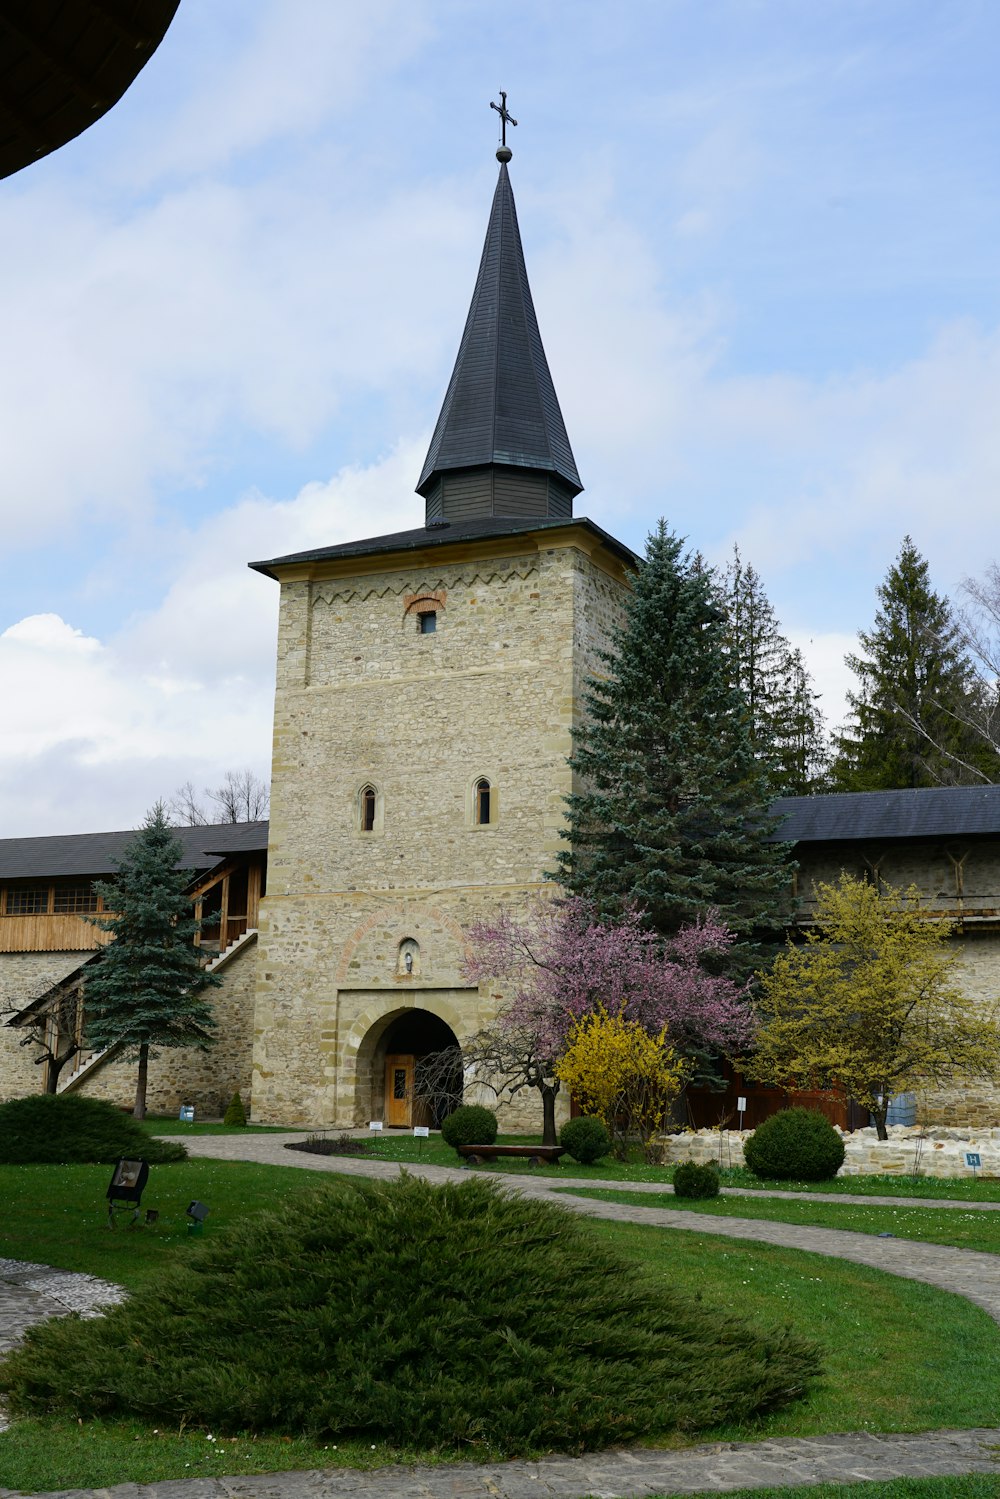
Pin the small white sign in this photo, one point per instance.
(421, 1132)
(741, 1105)
(972, 1159)
(375, 1125)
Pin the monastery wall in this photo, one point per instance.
(364, 698)
(183, 1074)
(23, 977)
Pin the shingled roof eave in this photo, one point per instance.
(493, 528)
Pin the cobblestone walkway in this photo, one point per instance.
(29, 1292)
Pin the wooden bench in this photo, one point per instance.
(535, 1155)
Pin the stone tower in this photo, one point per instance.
(427, 686)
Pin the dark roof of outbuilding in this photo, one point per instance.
(501, 406)
(854, 816)
(440, 535)
(99, 853)
(64, 63)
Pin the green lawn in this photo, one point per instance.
(898, 1356)
(171, 1125)
(59, 1214)
(963, 1230)
(979, 1486)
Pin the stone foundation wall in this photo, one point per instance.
(908, 1151)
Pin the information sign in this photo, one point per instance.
(421, 1132)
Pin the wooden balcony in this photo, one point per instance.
(49, 933)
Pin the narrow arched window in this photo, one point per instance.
(368, 809)
(483, 793)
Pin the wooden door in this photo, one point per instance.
(399, 1091)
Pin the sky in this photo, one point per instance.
(762, 242)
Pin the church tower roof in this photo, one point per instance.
(500, 446)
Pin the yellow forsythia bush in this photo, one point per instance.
(623, 1075)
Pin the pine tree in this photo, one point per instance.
(802, 748)
(146, 988)
(785, 723)
(672, 810)
(916, 695)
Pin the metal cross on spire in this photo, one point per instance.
(506, 118)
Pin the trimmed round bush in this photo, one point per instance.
(585, 1139)
(693, 1180)
(795, 1145)
(68, 1128)
(236, 1113)
(425, 1317)
(470, 1124)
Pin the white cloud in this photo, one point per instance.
(101, 730)
(832, 677)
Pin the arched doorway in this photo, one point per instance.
(397, 1047)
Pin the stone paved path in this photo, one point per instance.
(28, 1292)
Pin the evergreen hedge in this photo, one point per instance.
(469, 1124)
(68, 1128)
(795, 1145)
(585, 1139)
(420, 1316)
(235, 1114)
(694, 1180)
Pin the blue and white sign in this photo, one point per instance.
(972, 1159)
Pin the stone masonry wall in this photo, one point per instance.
(180, 1075)
(908, 1151)
(23, 977)
(364, 698)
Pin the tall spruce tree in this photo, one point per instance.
(146, 989)
(672, 807)
(910, 718)
(784, 720)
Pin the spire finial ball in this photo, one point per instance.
(504, 154)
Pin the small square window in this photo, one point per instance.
(427, 622)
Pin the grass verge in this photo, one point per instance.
(951, 1226)
(975, 1486)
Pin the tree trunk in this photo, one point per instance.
(56, 1065)
(548, 1092)
(879, 1115)
(139, 1112)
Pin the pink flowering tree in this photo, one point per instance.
(562, 963)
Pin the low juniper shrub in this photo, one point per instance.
(470, 1124)
(236, 1113)
(693, 1180)
(522, 1332)
(585, 1139)
(795, 1145)
(68, 1128)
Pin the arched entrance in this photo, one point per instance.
(392, 1054)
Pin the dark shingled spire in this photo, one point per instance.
(500, 445)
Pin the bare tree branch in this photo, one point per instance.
(242, 797)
